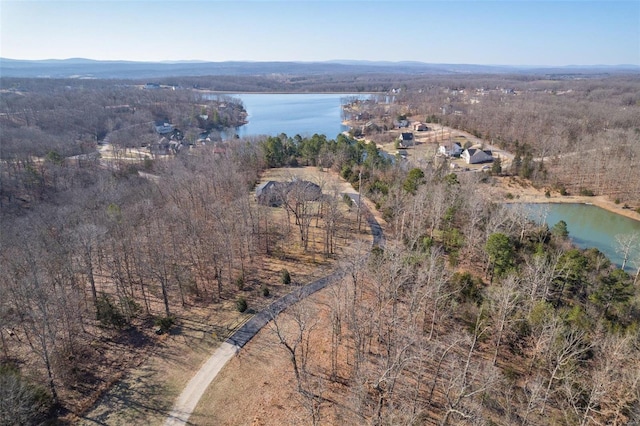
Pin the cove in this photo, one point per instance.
(589, 226)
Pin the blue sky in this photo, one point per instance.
(512, 32)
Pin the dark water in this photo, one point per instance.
(588, 225)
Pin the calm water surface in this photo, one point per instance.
(588, 225)
(293, 114)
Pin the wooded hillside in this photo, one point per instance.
(470, 314)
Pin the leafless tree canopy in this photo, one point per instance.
(470, 314)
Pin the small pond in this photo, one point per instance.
(588, 225)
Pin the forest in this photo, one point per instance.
(470, 314)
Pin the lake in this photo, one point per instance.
(588, 225)
(294, 114)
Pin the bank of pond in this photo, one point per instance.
(589, 226)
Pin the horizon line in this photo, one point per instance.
(335, 61)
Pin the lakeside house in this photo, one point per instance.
(477, 156)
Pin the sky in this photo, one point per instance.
(498, 32)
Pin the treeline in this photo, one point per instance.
(310, 83)
(470, 315)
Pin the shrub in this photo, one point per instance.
(147, 164)
(164, 324)
(346, 172)
(22, 402)
(130, 307)
(241, 304)
(547, 193)
(285, 277)
(108, 313)
(348, 201)
(586, 192)
(265, 290)
(467, 287)
(454, 256)
(509, 196)
(240, 282)
(377, 252)
(617, 201)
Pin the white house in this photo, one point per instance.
(452, 150)
(476, 156)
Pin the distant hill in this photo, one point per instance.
(87, 68)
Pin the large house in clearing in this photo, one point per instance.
(273, 193)
(476, 156)
(270, 193)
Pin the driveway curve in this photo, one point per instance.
(197, 386)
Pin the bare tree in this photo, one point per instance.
(473, 378)
(626, 245)
(503, 301)
(562, 358)
(293, 328)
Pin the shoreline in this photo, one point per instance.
(221, 92)
(532, 195)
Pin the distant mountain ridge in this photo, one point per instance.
(89, 68)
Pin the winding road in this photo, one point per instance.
(196, 387)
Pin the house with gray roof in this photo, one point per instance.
(477, 156)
